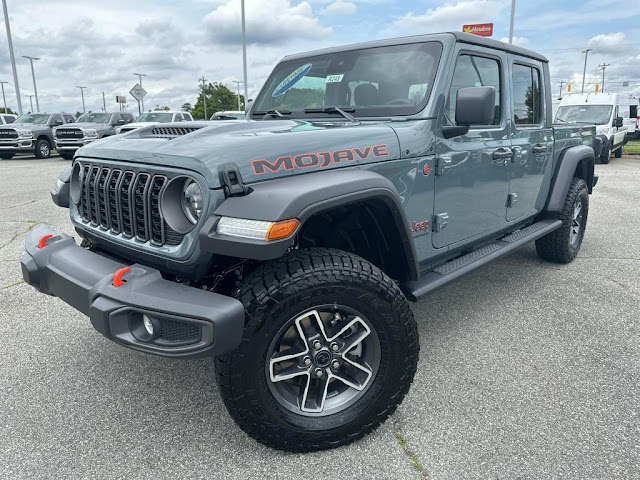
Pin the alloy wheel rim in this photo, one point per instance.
(576, 222)
(322, 361)
(44, 149)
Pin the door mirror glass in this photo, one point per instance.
(617, 122)
(475, 105)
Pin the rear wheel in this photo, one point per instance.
(605, 156)
(330, 349)
(562, 245)
(43, 149)
(6, 156)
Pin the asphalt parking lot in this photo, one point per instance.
(527, 370)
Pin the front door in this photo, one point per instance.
(472, 171)
(532, 139)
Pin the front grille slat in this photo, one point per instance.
(66, 133)
(127, 203)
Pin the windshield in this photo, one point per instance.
(381, 81)
(160, 117)
(598, 114)
(29, 118)
(94, 118)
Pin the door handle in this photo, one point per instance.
(539, 148)
(502, 154)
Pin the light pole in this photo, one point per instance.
(603, 67)
(238, 82)
(35, 88)
(244, 55)
(140, 75)
(204, 96)
(513, 13)
(82, 93)
(584, 71)
(13, 58)
(4, 99)
(31, 102)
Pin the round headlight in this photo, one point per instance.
(191, 200)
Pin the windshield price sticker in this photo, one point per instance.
(336, 78)
(291, 79)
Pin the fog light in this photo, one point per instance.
(148, 324)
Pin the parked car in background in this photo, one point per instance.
(228, 115)
(88, 128)
(31, 133)
(6, 118)
(611, 112)
(151, 118)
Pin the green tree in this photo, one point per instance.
(164, 108)
(219, 98)
(186, 107)
(9, 111)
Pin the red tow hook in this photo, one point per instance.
(43, 240)
(117, 277)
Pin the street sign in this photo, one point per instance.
(121, 99)
(482, 29)
(138, 92)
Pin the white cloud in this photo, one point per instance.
(340, 7)
(450, 16)
(271, 23)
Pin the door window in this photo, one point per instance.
(527, 101)
(56, 120)
(69, 118)
(476, 71)
(8, 119)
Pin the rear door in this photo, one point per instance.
(532, 138)
(472, 174)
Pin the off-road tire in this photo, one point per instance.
(557, 246)
(6, 156)
(43, 148)
(618, 152)
(284, 288)
(66, 156)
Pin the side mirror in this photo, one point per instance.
(474, 106)
(618, 122)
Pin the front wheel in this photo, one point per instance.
(43, 149)
(562, 245)
(329, 351)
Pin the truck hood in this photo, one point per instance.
(95, 126)
(260, 150)
(24, 126)
(140, 124)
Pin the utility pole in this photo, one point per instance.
(4, 99)
(560, 95)
(13, 58)
(584, 71)
(33, 75)
(104, 103)
(603, 67)
(140, 75)
(31, 102)
(204, 96)
(82, 92)
(238, 82)
(244, 55)
(513, 13)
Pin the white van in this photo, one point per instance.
(611, 112)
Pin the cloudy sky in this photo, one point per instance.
(101, 44)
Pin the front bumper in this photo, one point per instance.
(17, 145)
(73, 144)
(188, 322)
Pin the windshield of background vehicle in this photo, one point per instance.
(155, 117)
(94, 118)
(598, 114)
(29, 118)
(381, 81)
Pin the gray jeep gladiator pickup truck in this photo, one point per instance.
(289, 245)
(88, 128)
(31, 133)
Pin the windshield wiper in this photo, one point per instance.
(274, 113)
(343, 112)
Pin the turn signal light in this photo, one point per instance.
(282, 229)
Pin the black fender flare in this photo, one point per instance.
(300, 197)
(567, 164)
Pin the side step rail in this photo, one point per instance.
(457, 267)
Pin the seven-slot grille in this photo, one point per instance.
(69, 133)
(125, 202)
